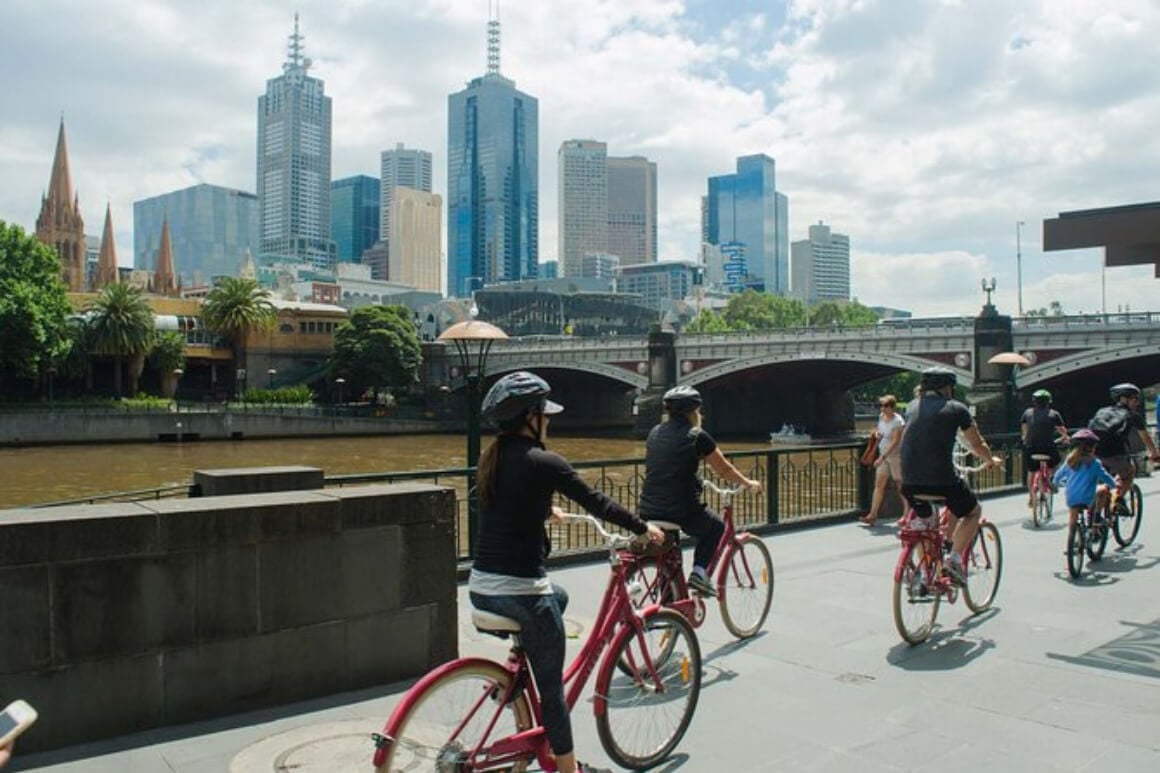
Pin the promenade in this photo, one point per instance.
(1060, 675)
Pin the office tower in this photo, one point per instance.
(294, 164)
(59, 224)
(658, 283)
(401, 168)
(549, 269)
(598, 265)
(582, 186)
(414, 245)
(745, 213)
(492, 180)
(821, 266)
(354, 216)
(210, 228)
(632, 209)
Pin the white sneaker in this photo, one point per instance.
(953, 566)
(921, 524)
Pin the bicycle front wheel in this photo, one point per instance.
(643, 712)
(1044, 501)
(1126, 527)
(446, 723)
(984, 565)
(745, 586)
(915, 601)
(1075, 547)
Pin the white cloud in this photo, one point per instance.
(922, 129)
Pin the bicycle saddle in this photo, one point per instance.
(496, 625)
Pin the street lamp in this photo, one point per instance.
(271, 372)
(1019, 263)
(473, 340)
(177, 374)
(341, 383)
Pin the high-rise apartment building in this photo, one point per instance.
(415, 243)
(492, 180)
(821, 266)
(294, 164)
(354, 216)
(582, 172)
(402, 167)
(745, 211)
(632, 209)
(210, 229)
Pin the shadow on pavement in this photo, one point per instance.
(1136, 652)
(946, 649)
(675, 762)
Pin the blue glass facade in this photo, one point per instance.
(210, 228)
(492, 185)
(745, 209)
(354, 215)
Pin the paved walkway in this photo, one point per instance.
(1059, 676)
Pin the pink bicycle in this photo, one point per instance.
(474, 714)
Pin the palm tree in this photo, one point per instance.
(120, 325)
(234, 307)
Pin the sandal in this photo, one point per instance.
(867, 520)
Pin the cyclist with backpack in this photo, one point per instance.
(1040, 426)
(1113, 424)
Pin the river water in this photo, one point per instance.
(45, 474)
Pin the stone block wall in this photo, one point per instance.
(120, 617)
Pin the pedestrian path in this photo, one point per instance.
(1060, 675)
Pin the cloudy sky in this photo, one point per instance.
(925, 129)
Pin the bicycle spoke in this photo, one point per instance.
(746, 583)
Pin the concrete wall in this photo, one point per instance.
(50, 427)
(116, 618)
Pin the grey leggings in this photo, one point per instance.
(541, 620)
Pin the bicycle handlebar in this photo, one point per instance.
(723, 491)
(612, 539)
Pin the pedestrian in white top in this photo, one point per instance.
(888, 464)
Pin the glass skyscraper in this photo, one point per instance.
(210, 229)
(492, 180)
(744, 211)
(294, 164)
(354, 216)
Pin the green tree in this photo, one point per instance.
(121, 326)
(34, 307)
(377, 347)
(234, 307)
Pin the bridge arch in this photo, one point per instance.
(1092, 358)
(899, 361)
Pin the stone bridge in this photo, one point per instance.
(755, 382)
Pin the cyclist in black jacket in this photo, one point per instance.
(517, 479)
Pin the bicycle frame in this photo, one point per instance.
(616, 619)
(931, 542)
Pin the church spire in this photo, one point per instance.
(59, 224)
(164, 280)
(107, 262)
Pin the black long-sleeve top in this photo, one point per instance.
(511, 528)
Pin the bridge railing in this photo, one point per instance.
(1087, 321)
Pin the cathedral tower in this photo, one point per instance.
(164, 281)
(107, 262)
(59, 224)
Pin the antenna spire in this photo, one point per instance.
(493, 38)
(296, 60)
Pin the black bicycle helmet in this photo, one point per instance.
(937, 378)
(681, 399)
(514, 395)
(1041, 396)
(1124, 390)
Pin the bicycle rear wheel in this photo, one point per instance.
(915, 604)
(1075, 546)
(1044, 502)
(745, 585)
(984, 565)
(1126, 527)
(639, 722)
(1097, 536)
(445, 721)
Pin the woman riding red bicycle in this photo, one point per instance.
(517, 479)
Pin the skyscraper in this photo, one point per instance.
(401, 168)
(354, 216)
(745, 212)
(210, 228)
(632, 209)
(294, 164)
(492, 180)
(582, 173)
(414, 244)
(821, 266)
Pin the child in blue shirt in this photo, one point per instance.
(1082, 473)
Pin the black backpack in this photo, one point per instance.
(1111, 424)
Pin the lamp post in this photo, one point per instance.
(1019, 263)
(270, 373)
(341, 382)
(473, 340)
(177, 374)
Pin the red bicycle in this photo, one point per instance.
(474, 714)
(741, 562)
(1042, 492)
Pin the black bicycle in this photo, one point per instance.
(1089, 534)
